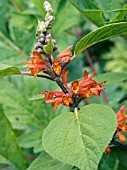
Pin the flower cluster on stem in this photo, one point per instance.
(120, 129)
(42, 60)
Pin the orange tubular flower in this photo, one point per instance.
(64, 77)
(65, 55)
(121, 119)
(53, 97)
(121, 137)
(121, 123)
(67, 99)
(75, 86)
(56, 67)
(86, 86)
(36, 65)
(62, 59)
(56, 98)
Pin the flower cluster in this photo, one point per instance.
(121, 123)
(56, 98)
(121, 127)
(41, 63)
(83, 89)
(37, 64)
(56, 69)
(87, 86)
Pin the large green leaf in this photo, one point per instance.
(80, 140)
(8, 144)
(101, 34)
(112, 77)
(6, 70)
(46, 162)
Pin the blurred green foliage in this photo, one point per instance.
(28, 118)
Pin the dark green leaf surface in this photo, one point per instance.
(90, 11)
(6, 70)
(80, 140)
(116, 159)
(107, 5)
(9, 148)
(101, 34)
(46, 162)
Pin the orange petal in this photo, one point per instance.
(64, 77)
(56, 67)
(107, 150)
(121, 137)
(75, 87)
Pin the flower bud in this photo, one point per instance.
(40, 51)
(39, 45)
(41, 40)
(41, 35)
(47, 7)
(55, 48)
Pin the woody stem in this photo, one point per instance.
(60, 84)
(120, 145)
(38, 75)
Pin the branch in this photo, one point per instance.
(60, 84)
(119, 144)
(38, 75)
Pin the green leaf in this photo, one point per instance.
(8, 142)
(121, 13)
(45, 162)
(6, 70)
(95, 16)
(31, 139)
(82, 5)
(66, 17)
(37, 98)
(39, 5)
(109, 5)
(101, 34)
(24, 21)
(48, 49)
(90, 11)
(111, 77)
(80, 140)
(3, 15)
